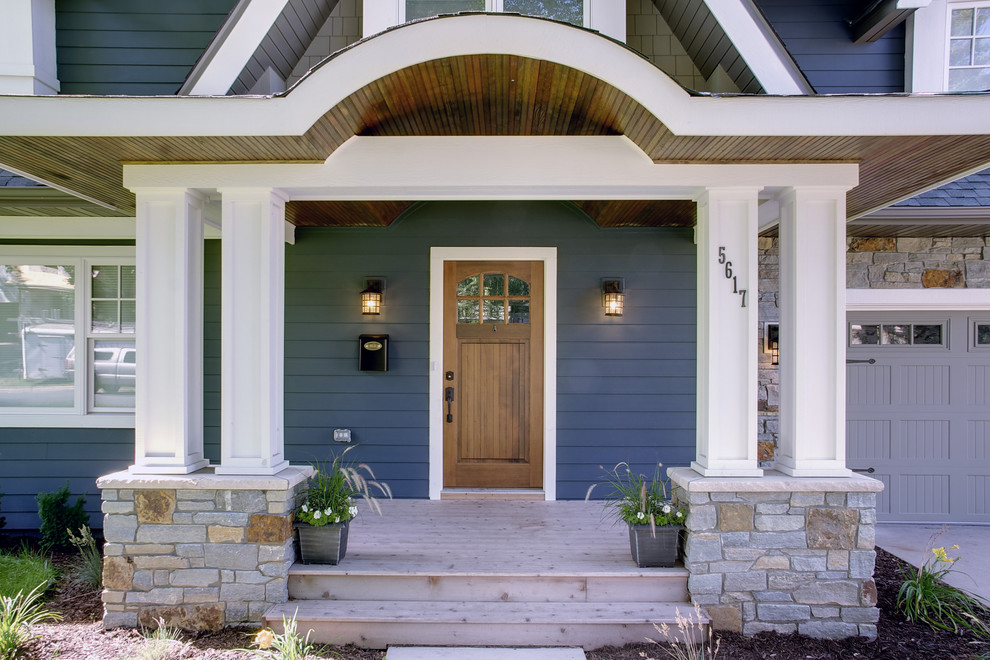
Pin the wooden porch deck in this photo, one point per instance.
(454, 572)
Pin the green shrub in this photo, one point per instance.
(926, 598)
(23, 572)
(57, 517)
(17, 614)
(91, 567)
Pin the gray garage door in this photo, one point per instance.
(918, 412)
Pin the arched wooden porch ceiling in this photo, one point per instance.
(497, 95)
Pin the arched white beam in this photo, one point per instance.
(453, 36)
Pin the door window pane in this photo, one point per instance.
(897, 334)
(468, 286)
(113, 374)
(928, 334)
(518, 287)
(37, 334)
(864, 334)
(983, 334)
(518, 311)
(467, 311)
(494, 284)
(426, 8)
(494, 311)
(569, 11)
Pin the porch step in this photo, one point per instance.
(642, 585)
(510, 494)
(379, 623)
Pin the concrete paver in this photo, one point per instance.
(914, 543)
(479, 653)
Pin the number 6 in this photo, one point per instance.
(728, 270)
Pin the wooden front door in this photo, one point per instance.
(493, 374)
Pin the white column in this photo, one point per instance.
(251, 334)
(27, 47)
(728, 302)
(168, 407)
(812, 332)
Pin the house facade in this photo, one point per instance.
(493, 175)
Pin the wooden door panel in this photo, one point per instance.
(494, 435)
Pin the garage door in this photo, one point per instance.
(918, 412)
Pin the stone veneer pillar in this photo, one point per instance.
(782, 553)
(201, 551)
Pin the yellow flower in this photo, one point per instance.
(264, 638)
(955, 547)
(941, 556)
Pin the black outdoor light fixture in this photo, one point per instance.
(613, 295)
(372, 297)
(772, 335)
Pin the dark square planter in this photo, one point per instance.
(649, 550)
(322, 545)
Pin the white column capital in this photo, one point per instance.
(728, 302)
(168, 415)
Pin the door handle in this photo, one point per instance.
(448, 396)
(870, 361)
(868, 470)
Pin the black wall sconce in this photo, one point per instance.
(373, 296)
(613, 295)
(771, 335)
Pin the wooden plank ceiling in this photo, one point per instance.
(497, 95)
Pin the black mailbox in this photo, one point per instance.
(373, 352)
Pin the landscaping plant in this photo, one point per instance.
(287, 646)
(689, 627)
(17, 614)
(332, 488)
(925, 597)
(23, 571)
(162, 643)
(57, 517)
(91, 569)
(638, 499)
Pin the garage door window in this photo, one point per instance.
(897, 334)
(983, 334)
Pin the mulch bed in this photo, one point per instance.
(80, 635)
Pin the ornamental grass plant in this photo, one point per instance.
(925, 597)
(333, 489)
(25, 570)
(638, 499)
(17, 614)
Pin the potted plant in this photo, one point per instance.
(323, 520)
(654, 521)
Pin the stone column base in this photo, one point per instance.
(782, 553)
(201, 551)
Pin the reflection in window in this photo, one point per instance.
(864, 334)
(426, 8)
(568, 11)
(983, 334)
(927, 334)
(36, 336)
(493, 298)
(113, 374)
(969, 49)
(113, 293)
(896, 334)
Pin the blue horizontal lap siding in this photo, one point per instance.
(36, 461)
(818, 37)
(626, 387)
(133, 47)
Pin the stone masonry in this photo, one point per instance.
(201, 551)
(871, 263)
(782, 554)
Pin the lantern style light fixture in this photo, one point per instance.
(372, 297)
(771, 334)
(613, 296)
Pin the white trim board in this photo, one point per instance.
(864, 300)
(548, 255)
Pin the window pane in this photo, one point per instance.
(494, 284)
(128, 289)
(983, 21)
(518, 311)
(569, 11)
(494, 311)
(425, 8)
(969, 80)
(928, 334)
(981, 52)
(518, 287)
(468, 286)
(983, 334)
(105, 317)
(960, 51)
(467, 311)
(127, 315)
(962, 22)
(36, 336)
(105, 280)
(864, 334)
(896, 334)
(113, 374)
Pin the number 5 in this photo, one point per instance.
(721, 255)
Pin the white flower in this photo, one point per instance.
(640, 515)
(666, 508)
(329, 512)
(352, 510)
(316, 515)
(305, 509)
(337, 519)
(680, 514)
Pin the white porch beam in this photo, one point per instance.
(27, 47)
(252, 329)
(812, 333)
(168, 415)
(727, 333)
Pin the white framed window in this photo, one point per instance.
(568, 11)
(930, 334)
(67, 328)
(968, 41)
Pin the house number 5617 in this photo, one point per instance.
(729, 276)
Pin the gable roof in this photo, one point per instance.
(970, 191)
